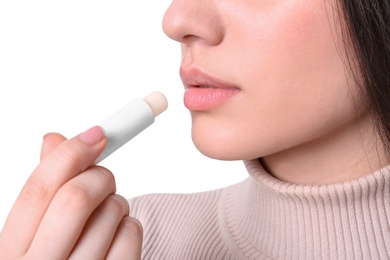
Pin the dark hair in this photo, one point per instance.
(368, 30)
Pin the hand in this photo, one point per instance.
(68, 207)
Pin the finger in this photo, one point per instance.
(127, 243)
(50, 141)
(100, 229)
(69, 211)
(66, 161)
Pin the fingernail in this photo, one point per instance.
(92, 136)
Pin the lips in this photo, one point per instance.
(204, 92)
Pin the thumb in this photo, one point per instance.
(50, 141)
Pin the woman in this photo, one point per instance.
(296, 89)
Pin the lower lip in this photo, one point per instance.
(203, 99)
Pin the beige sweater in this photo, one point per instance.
(264, 218)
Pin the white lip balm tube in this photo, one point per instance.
(131, 120)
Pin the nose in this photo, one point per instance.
(189, 21)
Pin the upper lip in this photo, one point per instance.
(194, 77)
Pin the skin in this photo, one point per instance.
(298, 108)
(60, 215)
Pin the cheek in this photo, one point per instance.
(298, 69)
(250, 130)
(294, 86)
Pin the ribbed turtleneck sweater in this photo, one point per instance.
(265, 218)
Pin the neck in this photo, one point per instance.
(349, 152)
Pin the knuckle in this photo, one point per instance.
(73, 197)
(67, 156)
(132, 227)
(107, 174)
(115, 204)
(120, 204)
(35, 190)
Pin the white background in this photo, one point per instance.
(66, 65)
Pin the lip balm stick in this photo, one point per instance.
(131, 120)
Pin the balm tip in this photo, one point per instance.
(157, 102)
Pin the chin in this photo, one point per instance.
(221, 148)
(216, 154)
(215, 136)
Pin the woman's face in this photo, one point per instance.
(261, 76)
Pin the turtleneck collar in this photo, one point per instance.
(264, 217)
